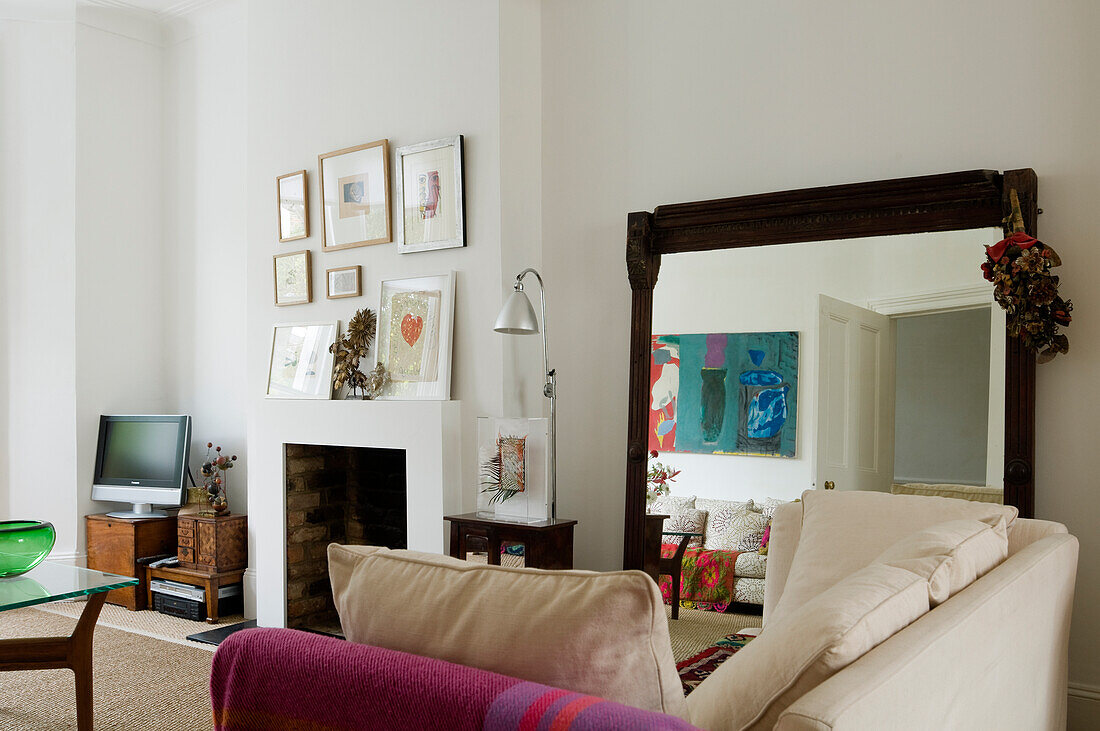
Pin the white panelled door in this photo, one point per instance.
(855, 391)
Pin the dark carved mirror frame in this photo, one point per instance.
(952, 201)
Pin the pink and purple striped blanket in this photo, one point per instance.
(278, 679)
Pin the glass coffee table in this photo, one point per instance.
(51, 582)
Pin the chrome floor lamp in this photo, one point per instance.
(517, 317)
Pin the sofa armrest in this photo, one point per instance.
(786, 530)
(286, 679)
(993, 656)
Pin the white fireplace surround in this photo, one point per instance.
(428, 431)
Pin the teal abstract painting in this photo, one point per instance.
(724, 393)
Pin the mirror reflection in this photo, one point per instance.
(868, 364)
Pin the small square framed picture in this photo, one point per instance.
(432, 206)
(293, 278)
(355, 196)
(293, 192)
(344, 282)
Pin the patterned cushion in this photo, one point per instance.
(671, 504)
(713, 507)
(733, 529)
(766, 540)
(750, 565)
(688, 521)
(767, 506)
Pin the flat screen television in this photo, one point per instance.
(142, 460)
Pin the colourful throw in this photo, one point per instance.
(706, 575)
(286, 680)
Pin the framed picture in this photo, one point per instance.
(415, 321)
(432, 202)
(355, 196)
(301, 364)
(293, 278)
(343, 282)
(293, 192)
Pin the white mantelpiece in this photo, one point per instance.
(428, 431)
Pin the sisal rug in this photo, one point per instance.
(139, 683)
(697, 630)
(147, 622)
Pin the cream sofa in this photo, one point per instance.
(993, 656)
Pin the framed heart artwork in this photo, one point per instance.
(415, 323)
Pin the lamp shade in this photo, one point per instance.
(517, 317)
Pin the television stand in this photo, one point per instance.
(117, 545)
(141, 510)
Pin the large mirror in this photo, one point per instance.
(861, 364)
(832, 338)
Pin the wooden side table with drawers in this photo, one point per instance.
(215, 544)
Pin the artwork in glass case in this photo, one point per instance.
(512, 468)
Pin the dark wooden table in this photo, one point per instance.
(547, 544)
(673, 566)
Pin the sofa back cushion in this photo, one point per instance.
(671, 504)
(950, 556)
(688, 520)
(843, 531)
(602, 634)
(798, 652)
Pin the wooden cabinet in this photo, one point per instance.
(214, 544)
(115, 545)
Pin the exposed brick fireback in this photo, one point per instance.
(353, 495)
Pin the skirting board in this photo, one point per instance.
(1083, 708)
(249, 587)
(1080, 690)
(70, 558)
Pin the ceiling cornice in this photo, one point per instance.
(176, 10)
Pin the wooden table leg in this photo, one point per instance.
(73, 652)
(211, 587)
(492, 540)
(458, 546)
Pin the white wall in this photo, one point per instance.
(122, 329)
(38, 436)
(655, 103)
(94, 317)
(777, 289)
(205, 228)
(326, 76)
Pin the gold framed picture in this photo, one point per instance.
(293, 192)
(293, 278)
(355, 196)
(343, 282)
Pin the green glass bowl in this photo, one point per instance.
(23, 545)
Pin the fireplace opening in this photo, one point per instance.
(335, 494)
